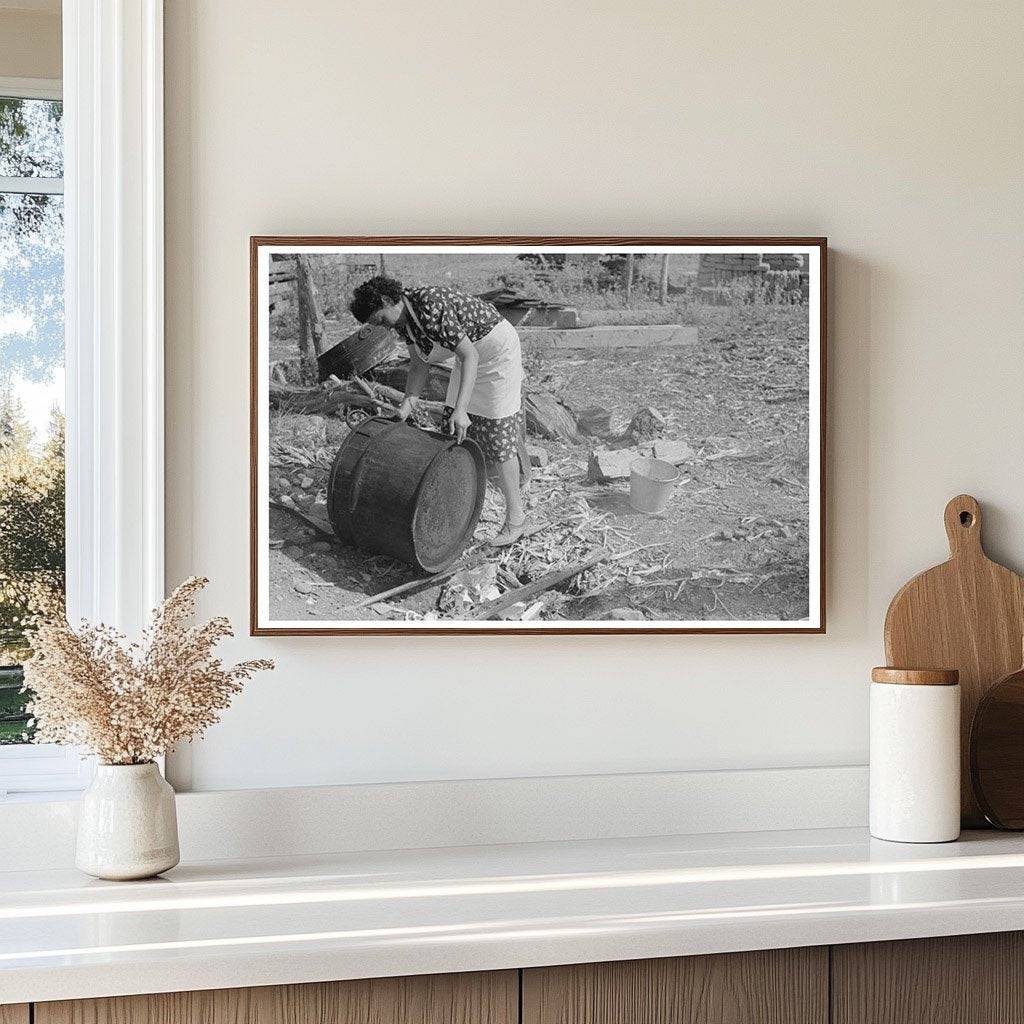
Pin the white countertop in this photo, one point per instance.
(261, 922)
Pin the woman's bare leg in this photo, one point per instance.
(506, 476)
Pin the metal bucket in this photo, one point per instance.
(650, 484)
(405, 492)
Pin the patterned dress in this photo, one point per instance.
(443, 316)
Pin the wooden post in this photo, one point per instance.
(663, 286)
(630, 261)
(383, 269)
(311, 317)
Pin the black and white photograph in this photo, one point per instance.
(523, 435)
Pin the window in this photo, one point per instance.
(32, 549)
(109, 207)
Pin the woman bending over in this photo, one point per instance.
(484, 399)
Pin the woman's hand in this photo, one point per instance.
(405, 410)
(458, 424)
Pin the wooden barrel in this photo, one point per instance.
(406, 492)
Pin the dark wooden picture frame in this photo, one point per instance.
(816, 624)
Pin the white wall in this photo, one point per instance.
(895, 129)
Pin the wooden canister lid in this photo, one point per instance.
(916, 676)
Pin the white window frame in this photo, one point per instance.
(114, 323)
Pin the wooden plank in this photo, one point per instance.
(14, 1013)
(479, 998)
(610, 337)
(961, 979)
(780, 986)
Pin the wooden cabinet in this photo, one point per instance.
(490, 998)
(963, 979)
(970, 979)
(778, 986)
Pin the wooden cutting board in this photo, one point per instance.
(967, 614)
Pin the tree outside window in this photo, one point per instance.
(31, 387)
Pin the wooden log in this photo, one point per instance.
(311, 317)
(489, 609)
(395, 374)
(547, 417)
(663, 284)
(630, 263)
(327, 402)
(317, 401)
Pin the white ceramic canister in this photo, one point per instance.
(915, 755)
(127, 825)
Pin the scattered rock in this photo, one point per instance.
(676, 452)
(645, 425)
(283, 483)
(336, 431)
(606, 465)
(303, 586)
(626, 615)
(468, 587)
(320, 546)
(306, 482)
(286, 500)
(595, 420)
(538, 456)
(293, 551)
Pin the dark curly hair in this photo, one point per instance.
(371, 296)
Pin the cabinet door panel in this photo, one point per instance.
(481, 998)
(14, 1013)
(778, 986)
(960, 979)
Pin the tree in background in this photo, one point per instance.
(31, 542)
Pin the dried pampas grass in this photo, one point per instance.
(129, 703)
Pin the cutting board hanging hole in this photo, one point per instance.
(963, 525)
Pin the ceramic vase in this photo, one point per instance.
(127, 825)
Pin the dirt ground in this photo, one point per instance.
(732, 544)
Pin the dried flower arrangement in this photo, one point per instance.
(129, 703)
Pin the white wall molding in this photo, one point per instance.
(31, 88)
(113, 93)
(238, 824)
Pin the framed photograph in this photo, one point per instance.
(537, 435)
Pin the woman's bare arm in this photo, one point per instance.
(469, 360)
(419, 370)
